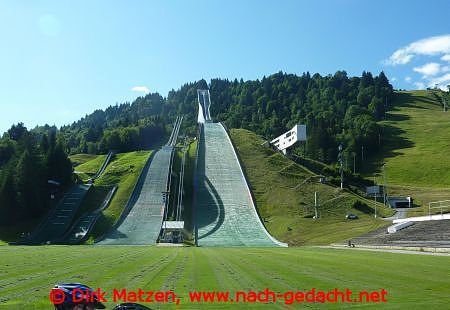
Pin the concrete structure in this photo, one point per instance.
(399, 202)
(435, 217)
(296, 134)
(396, 227)
(204, 102)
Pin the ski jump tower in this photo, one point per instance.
(224, 211)
(204, 103)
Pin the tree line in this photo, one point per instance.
(336, 109)
(28, 160)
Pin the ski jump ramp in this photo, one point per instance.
(147, 204)
(224, 212)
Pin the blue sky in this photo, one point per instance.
(60, 60)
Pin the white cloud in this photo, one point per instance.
(431, 68)
(446, 57)
(441, 82)
(394, 79)
(141, 89)
(445, 69)
(429, 46)
(408, 79)
(420, 85)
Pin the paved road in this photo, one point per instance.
(400, 213)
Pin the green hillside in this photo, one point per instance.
(85, 170)
(415, 146)
(284, 194)
(78, 159)
(123, 171)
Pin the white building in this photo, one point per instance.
(296, 134)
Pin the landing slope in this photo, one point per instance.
(224, 211)
(59, 219)
(143, 223)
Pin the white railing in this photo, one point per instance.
(441, 205)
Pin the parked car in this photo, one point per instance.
(351, 216)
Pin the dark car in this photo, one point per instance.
(351, 216)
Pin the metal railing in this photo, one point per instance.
(441, 205)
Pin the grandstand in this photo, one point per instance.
(225, 214)
(421, 234)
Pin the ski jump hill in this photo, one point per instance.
(142, 219)
(224, 211)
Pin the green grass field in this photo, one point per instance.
(78, 159)
(88, 168)
(417, 141)
(284, 194)
(411, 281)
(416, 137)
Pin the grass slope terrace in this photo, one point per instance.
(123, 171)
(284, 195)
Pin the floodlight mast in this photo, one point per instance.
(341, 165)
(374, 183)
(316, 215)
(384, 186)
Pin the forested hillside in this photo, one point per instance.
(27, 161)
(336, 109)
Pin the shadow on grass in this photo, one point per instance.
(398, 117)
(394, 143)
(408, 100)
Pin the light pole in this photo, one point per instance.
(375, 190)
(354, 162)
(341, 162)
(384, 186)
(316, 214)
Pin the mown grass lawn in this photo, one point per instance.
(411, 281)
(78, 159)
(415, 148)
(89, 168)
(416, 142)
